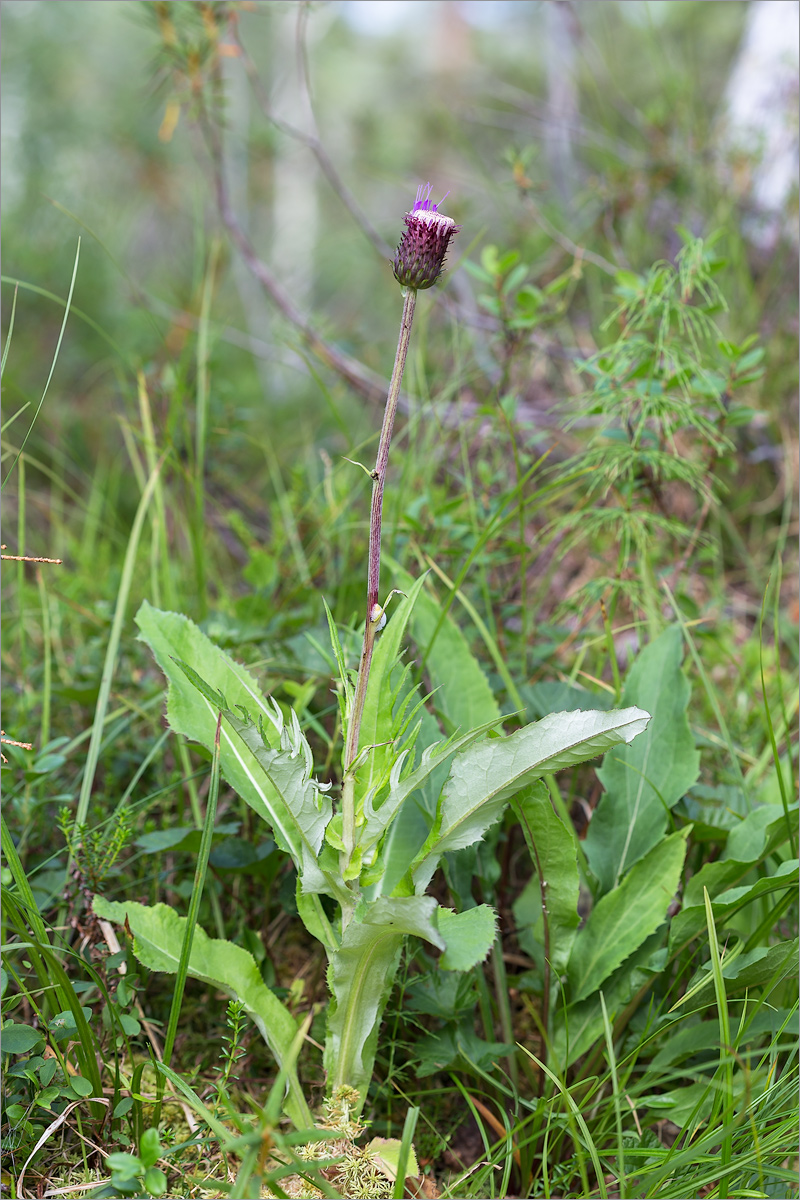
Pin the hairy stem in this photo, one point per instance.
(373, 576)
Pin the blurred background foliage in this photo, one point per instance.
(94, 142)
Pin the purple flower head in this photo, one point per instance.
(420, 256)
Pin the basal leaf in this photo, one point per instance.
(158, 936)
(360, 978)
(581, 1025)
(621, 920)
(642, 781)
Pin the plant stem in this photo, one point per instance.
(373, 578)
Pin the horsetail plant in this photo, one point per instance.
(353, 852)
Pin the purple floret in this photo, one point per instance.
(420, 256)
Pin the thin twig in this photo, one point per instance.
(314, 144)
(348, 368)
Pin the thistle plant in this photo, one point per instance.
(417, 264)
(352, 853)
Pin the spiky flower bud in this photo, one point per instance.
(420, 256)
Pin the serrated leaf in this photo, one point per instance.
(172, 637)
(433, 757)
(385, 1153)
(753, 968)
(642, 781)
(579, 1027)
(412, 824)
(301, 810)
(377, 722)
(360, 978)
(621, 920)
(485, 776)
(468, 936)
(456, 1046)
(158, 936)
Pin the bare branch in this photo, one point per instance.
(352, 371)
(313, 143)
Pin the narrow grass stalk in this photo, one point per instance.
(9, 335)
(406, 1142)
(483, 630)
(52, 365)
(47, 660)
(712, 696)
(21, 636)
(191, 920)
(504, 1007)
(726, 1047)
(622, 1181)
(374, 610)
(93, 753)
(201, 430)
(768, 716)
(162, 577)
(574, 1117)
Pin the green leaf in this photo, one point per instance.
(360, 978)
(555, 860)
(174, 639)
(184, 837)
(621, 920)
(642, 781)
(413, 820)
(485, 776)
(462, 692)
(468, 935)
(385, 1152)
(377, 722)
(301, 810)
(753, 968)
(578, 1028)
(19, 1039)
(128, 1166)
(732, 900)
(433, 757)
(158, 937)
(752, 840)
(80, 1086)
(679, 1104)
(455, 1047)
(155, 1181)
(150, 1148)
